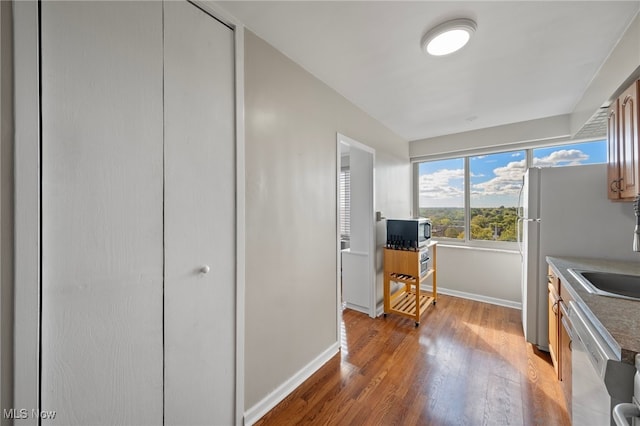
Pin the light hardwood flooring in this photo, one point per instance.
(467, 364)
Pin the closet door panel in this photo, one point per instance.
(199, 218)
(102, 201)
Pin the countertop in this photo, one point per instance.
(618, 320)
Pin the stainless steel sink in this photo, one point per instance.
(609, 283)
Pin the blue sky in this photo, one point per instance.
(496, 178)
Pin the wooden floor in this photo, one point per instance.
(467, 364)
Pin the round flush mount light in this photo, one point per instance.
(448, 37)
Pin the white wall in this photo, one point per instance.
(510, 136)
(6, 209)
(481, 274)
(291, 124)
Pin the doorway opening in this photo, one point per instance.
(356, 276)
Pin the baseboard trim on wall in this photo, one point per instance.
(380, 309)
(256, 412)
(476, 297)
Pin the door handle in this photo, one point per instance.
(615, 185)
(204, 269)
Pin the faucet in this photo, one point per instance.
(636, 233)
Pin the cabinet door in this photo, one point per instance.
(565, 357)
(199, 213)
(553, 328)
(629, 142)
(101, 349)
(613, 152)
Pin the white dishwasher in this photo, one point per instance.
(600, 380)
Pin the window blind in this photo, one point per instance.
(345, 203)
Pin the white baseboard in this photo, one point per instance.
(358, 308)
(256, 412)
(380, 309)
(476, 297)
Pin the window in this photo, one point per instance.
(441, 196)
(490, 184)
(571, 155)
(496, 180)
(345, 203)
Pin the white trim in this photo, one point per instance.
(256, 412)
(218, 12)
(240, 224)
(467, 198)
(373, 300)
(362, 309)
(338, 243)
(27, 207)
(380, 308)
(476, 297)
(352, 142)
(519, 146)
(415, 189)
(373, 303)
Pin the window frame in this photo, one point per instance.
(511, 246)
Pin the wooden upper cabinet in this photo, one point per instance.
(613, 155)
(622, 134)
(628, 141)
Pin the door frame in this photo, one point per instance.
(373, 307)
(27, 240)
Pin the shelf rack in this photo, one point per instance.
(403, 267)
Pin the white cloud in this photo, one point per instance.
(508, 180)
(516, 154)
(442, 184)
(479, 157)
(447, 185)
(563, 157)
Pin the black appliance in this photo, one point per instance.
(408, 234)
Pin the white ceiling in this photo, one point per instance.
(527, 59)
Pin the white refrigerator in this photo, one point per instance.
(564, 211)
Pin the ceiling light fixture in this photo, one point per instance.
(448, 37)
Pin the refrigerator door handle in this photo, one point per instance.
(519, 239)
(520, 211)
(519, 224)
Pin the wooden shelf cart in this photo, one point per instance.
(403, 267)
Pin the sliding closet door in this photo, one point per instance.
(199, 218)
(102, 255)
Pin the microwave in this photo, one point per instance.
(408, 234)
